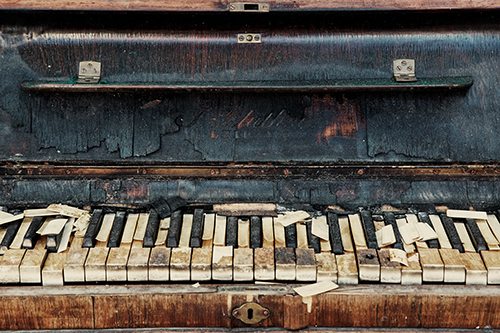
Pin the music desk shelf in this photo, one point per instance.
(303, 86)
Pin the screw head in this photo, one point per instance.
(256, 38)
(265, 313)
(403, 62)
(241, 38)
(249, 38)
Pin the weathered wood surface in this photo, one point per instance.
(225, 127)
(349, 193)
(375, 306)
(222, 5)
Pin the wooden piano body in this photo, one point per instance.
(295, 104)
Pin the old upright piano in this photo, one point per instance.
(190, 163)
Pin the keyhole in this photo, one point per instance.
(250, 314)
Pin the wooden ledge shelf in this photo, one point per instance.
(333, 86)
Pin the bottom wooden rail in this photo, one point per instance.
(135, 306)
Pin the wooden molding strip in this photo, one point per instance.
(252, 170)
(222, 5)
(357, 85)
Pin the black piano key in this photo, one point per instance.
(335, 237)
(291, 236)
(232, 231)
(165, 207)
(151, 229)
(10, 233)
(174, 230)
(197, 228)
(53, 241)
(369, 229)
(312, 240)
(115, 236)
(390, 219)
(31, 237)
(452, 233)
(475, 235)
(255, 232)
(93, 228)
(424, 217)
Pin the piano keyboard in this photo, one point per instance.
(203, 246)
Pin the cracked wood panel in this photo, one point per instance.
(252, 127)
(221, 5)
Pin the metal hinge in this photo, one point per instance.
(404, 70)
(249, 38)
(89, 72)
(249, 7)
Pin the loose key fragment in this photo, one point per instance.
(289, 218)
(466, 214)
(316, 288)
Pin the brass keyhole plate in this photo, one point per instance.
(251, 313)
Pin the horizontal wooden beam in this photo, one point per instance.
(222, 5)
(332, 86)
(252, 170)
(370, 306)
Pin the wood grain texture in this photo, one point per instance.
(46, 311)
(182, 310)
(134, 306)
(222, 5)
(227, 127)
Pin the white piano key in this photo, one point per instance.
(220, 231)
(279, 235)
(187, 225)
(23, 228)
(357, 232)
(444, 242)
(244, 234)
(140, 229)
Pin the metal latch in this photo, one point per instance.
(404, 70)
(251, 313)
(249, 7)
(89, 72)
(249, 38)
